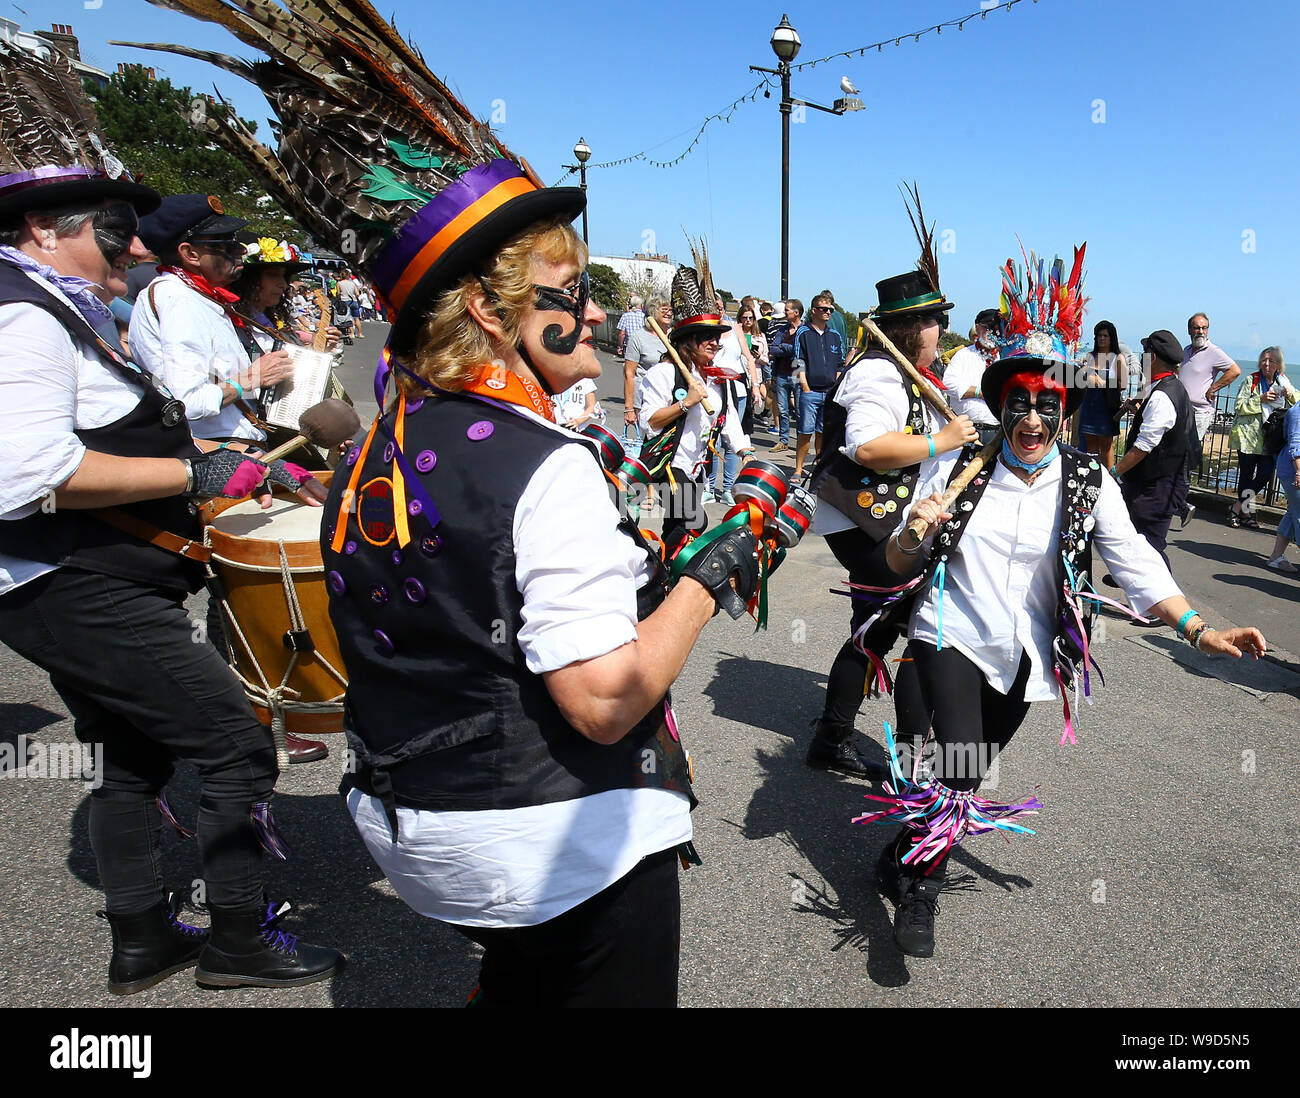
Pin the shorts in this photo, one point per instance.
(810, 412)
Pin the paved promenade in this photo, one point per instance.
(1163, 871)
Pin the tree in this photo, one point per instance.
(149, 123)
(607, 289)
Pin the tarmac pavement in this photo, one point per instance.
(1162, 871)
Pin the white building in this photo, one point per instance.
(641, 272)
(59, 37)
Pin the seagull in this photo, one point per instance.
(846, 86)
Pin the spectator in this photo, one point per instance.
(780, 347)
(1288, 465)
(965, 370)
(1264, 392)
(577, 405)
(730, 368)
(756, 344)
(348, 292)
(643, 350)
(1106, 371)
(836, 321)
(767, 318)
(1205, 370)
(818, 363)
(631, 321)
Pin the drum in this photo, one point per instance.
(276, 612)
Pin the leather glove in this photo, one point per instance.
(732, 556)
(227, 473)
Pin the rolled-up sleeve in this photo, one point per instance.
(1137, 568)
(39, 450)
(575, 569)
(656, 392)
(175, 345)
(876, 405)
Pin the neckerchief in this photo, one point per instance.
(201, 285)
(1010, 458)
(505, 385)
(1161, 377)
(932, 378)
(79, 291)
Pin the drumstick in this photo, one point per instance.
(918, 525)
(686, 374)
(927, 390)
(325, 425)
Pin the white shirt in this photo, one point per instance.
(1158, 416)
(190, 345)
(661, 382)
(965, 371)
(50, 385)
(999, 596)
(877, 402)
(578, 576)
(572, 403)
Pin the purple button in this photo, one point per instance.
(414, 508)
(389, 451)
(479, 431)
(413, 406)
(353, 454)
(379, 594)
(337, 585)
(431, 545)
(383, 643)
(425, 460)
(397, 557)
(349, 547)
(414, 590)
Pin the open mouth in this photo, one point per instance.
(1031, 442)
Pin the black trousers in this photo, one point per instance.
(1152, 504)
(684, 513)
(148, 688)
(850, 674)
(617, 949)
(972, 721)
(1254, 473)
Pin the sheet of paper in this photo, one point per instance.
(310, 385)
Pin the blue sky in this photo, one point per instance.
(1186, 192)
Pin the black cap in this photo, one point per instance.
(988, 318)
(1165, 346)
(187, 217)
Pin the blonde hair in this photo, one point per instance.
(451, 347)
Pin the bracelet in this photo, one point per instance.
(682, 405)
(1194, 637)
(1182, 622)
(239, 389)
(930, 440)
(189, 476)
(898, 543)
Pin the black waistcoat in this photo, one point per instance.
(870, 498)
(75, 538)
(1171, 452)
(442, 710)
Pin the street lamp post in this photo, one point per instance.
(583, 153)
(785, 44)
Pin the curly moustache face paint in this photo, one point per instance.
(574, 303)
(114, 227)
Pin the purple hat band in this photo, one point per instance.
(425, 236)
(17, 182)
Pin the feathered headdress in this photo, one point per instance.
(51, 153)
(1042, 315)
(694, 300)
(917, 292)
(376, 157)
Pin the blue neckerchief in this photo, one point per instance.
(1015, 462)
(77, 290)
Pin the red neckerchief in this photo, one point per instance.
(201, 285)
(1161, 377)
(501, 384)
(932, 378)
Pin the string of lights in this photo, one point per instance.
(725, 114)
(861, 51)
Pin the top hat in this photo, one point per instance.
(910, 294)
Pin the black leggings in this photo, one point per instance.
(1254, 473)
(683, 512)
(851, 672)
(972, 720)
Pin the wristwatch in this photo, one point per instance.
(682, 405)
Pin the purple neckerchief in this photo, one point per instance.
(77, 290)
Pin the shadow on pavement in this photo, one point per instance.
(24, 718)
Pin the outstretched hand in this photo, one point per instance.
(1233, 642)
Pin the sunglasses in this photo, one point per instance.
(573, 300)
(824, 309)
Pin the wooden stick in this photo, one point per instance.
(672, 351)
(928, 391)
(285, 448)
(989, 453)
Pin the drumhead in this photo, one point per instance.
(285, 520)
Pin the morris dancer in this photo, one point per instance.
(878, 430)
(681, 435)
(92, 589)
(509, 642)
(1003, 617)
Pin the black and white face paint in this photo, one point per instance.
(115, 226)
(574, 302)
(1020, 402)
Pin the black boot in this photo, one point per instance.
(889, 867)
(918, 905)
(151, 945)
(832, 749)
(246, 950)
